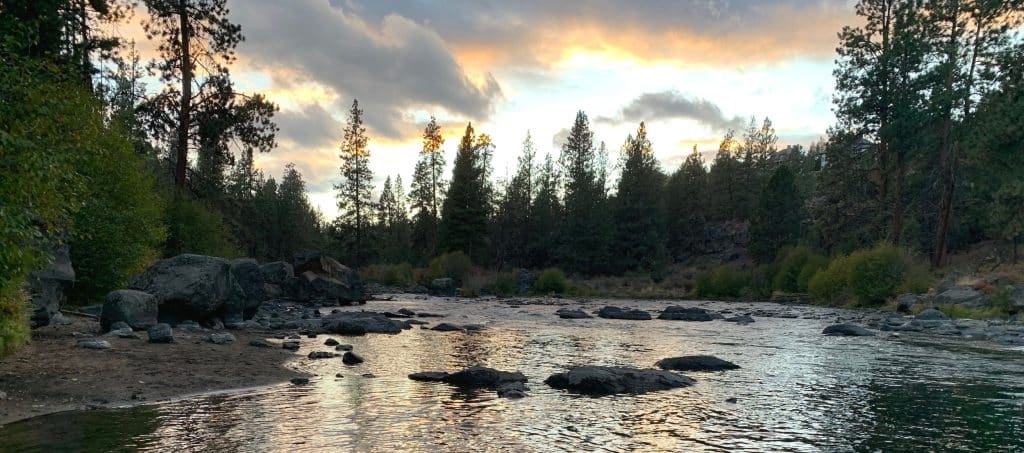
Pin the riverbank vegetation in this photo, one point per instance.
(924, 160)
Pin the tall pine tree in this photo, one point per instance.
(354, 202)
(467, 206)
(640, 209)
(584, 238)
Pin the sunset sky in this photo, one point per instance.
(690, 69)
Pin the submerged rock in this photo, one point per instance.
(611, 312)
(847, 330)
(506, 384)
(300, 381)
(290, 345)
(696, 363)
(741, 319)
(160, 333)
(429, 376)
(572, 313)
(677, 313)
(343, 347)
(260, 344)
(447, 327)
(321, 355)
(359, 323)
(351, 358)
(331, 342)
(931, 314)
(603, 380)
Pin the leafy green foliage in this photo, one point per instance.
(552, 280)
(453, 265)
(796, 269)
(722, 282)
(400, 275)
(504, 284)
(868, 277)
(193, 227)
(14, 330)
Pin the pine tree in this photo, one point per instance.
(354, 190)
(723, 181)
(687, 206)
(427, 192)
(640, 209)
(545, 215)
(467, 207)
(584, 244)
(513, 219)
(776, 221)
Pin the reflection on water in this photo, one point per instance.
(797, 391)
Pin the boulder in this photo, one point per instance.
(47, 288)
(277, 272)
(250, 278)
(192, 287)
(961, 295)
(931, 314)
(611, 312)
(260, 344)
(359, 323)
(847, 330)
(321, 355)
(343, 347)
(220, 338)
(507, 384)
(330, 342)
(447, 327)
(135, 308)
(93, 343)
(741, 319)
(677, 313)
(603, 380)
(429, 376)
(696, 363)
(121, 330)
(311, 286)
(572, 313)
(905, 301)
(300, 381)
(351, 358)
(443, 287)
(290, 345)
(160, 333)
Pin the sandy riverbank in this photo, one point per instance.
(52, 374)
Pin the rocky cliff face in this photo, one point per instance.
(48, 287)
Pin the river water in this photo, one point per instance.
(796, 391)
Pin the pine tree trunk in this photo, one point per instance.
(186, 99)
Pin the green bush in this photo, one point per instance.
(760, 282)
(830, 286)
(796, 268)
(388, 274)
(875, 274)
(454, 265)
(14, 330)
(723, 281)
(552, 280)
(193, 227)
(119, 228)
(504, 284)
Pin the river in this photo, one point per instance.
(797, 390)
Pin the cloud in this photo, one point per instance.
(312, 127)
(667, 105)
(392, 65)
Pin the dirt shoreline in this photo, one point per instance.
(52, 374)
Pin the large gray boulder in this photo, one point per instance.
(137, 309)
(696, 363)
(47, 288)
(443, 287)
(320, 278)
(611, 312)
(961, 295)
(193, 287)
(603, 380)
(677, 313)
(359, 322)
(277, 272)
(250, 278)
(847, 330)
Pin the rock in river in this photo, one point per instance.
(351, 358)
(359, 323)
(447, 327)
(321, 355)
(677, 313)
(290, 345)
(572, 313)
(603, 380)
(611, 312)
(507, 384)
(93, 343)
(160, 333)
(741, 319)
(847, 330)
(696, 363)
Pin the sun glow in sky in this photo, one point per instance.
(690, 69)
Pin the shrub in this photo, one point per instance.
(875, 274)
(722, 281)
(796, 268)
(14, 330)
(552, 280)
(119, 228)
(829, 286)
(760, 282)
(194, 227)
(388, 274)
(504, 284)
(454, 265)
